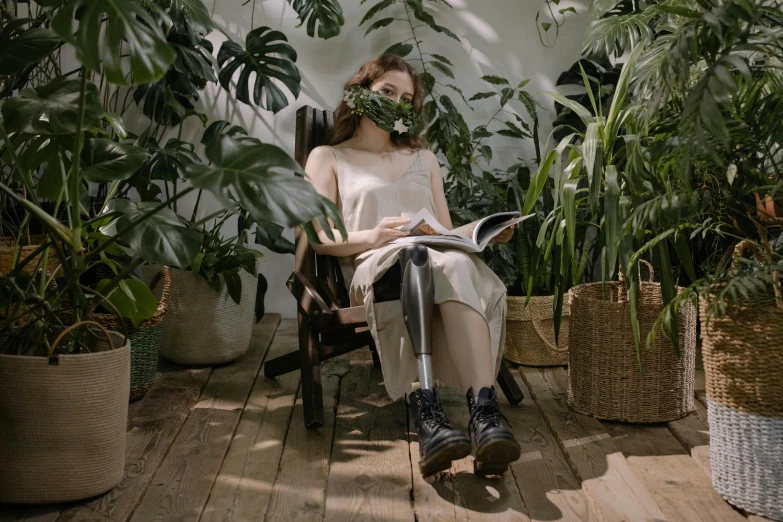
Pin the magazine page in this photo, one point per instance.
(424, 223)
(492, 228)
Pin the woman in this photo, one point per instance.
(377, 177)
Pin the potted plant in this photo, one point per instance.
(65, 379)
(600, 185)
(717, 96)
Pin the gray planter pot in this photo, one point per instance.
(202, 326)
(62, 435)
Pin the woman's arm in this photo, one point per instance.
(436, 180)
(321, 171)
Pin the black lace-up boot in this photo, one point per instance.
(439, 443)
(494, 447)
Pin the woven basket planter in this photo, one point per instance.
(202, 326)
(8, 251)
(743, 365)
(530, 332)
(62, 435)
(604, 380)
(145, 338)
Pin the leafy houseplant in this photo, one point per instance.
(711, 79)
(58, 139)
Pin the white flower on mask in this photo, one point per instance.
(400, 127)
(348, 99)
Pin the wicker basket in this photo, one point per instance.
(205, 327)
(62, 435)
(604, 379)
(530, 332)
(743, 364)
(8, 249)
(145, 338)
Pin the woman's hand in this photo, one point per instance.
(385, 231)
(505, 235)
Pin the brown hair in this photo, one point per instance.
(345, 123)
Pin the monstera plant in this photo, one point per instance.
(62, 135)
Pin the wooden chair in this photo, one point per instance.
(328, 325)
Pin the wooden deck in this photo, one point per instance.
(227, 444)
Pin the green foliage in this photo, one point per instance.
(326, 13)
(267, 55)
(63, 134)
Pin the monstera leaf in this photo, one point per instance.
(249, 174)
(53, 109)
(107, 161)
(220, 128)
(131, 298)
(326, 12)
(159, 238)
(168, 163)
(18, 49)
(111, 29)
(266, 54)
(191, 18)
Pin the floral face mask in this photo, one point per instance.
(385, 113)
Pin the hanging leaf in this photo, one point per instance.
(377, 8)
(19, 49)
(495, 80)
(442, 58)
(160, 238)
(482, 95)
(400, 49)
(443, 68)
(383, 22)
(131, 298)
(267, 55)
(111, 29)
(270, 235)
(261, 288)
(249, 174)
(327, 13)
(106, 161)
(191, 17)
(168, 163)
(220, 128)
(53, 109)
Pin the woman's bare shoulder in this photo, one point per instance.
(430, 158)
(321, 161)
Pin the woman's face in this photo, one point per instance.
(395, 85)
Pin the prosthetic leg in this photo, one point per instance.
(417, 296)
(439, 443)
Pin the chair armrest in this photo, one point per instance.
(309, 300)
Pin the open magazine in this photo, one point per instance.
(473, 237)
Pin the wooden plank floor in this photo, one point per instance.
(227, 444)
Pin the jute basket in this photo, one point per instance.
(743, 364)
(205, 327)
(8, 249)
(604, 378)
(530, 331)
(62, 435)
(145, 338)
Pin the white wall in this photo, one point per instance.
(498, 37)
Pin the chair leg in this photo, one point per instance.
(508, 384)
(376, 361)
(312, 392)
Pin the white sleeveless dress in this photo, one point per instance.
(364, 199)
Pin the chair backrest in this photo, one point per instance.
(314, 128)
